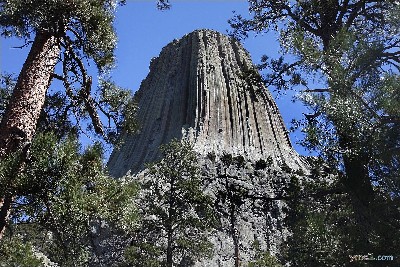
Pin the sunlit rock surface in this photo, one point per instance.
(204, 87)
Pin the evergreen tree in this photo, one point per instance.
(327, 229)
(230, 201)
(344, 58)
(60, 192)
(349, 50)
(263, 258)
(68, 32)
(175, 212)
(51, 220)
(63, 30)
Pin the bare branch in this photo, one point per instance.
(24, 45)
(91, 109)
(319, 90)
(58, 77)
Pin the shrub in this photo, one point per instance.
(227, 159)
(239, 161)
(211, 156)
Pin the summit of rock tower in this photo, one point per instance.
(204, 87)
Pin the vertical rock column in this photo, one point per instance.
(196, 88)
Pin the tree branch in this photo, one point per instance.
(22, 46)
(318, 90)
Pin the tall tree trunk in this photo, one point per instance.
(18, 125)
(235, 235)
(170, 223)
(170, 259)
(357, 177)
(358, 180)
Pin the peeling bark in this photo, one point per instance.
(18, 125)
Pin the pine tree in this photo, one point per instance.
(66, 32)
(175, 212)
(343, 59)
(349, 51)
(60, 193)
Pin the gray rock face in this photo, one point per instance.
(257, 218)
(199, 87)
(204, 87)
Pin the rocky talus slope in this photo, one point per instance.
(204, 87)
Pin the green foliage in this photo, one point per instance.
(239, 161)
(343, 57)
(176, 214)
(54, 186)
(91, 21)
(17, 253)
(263, 258)
(85, 33)
(122, 109)
(62, 116)
(286, 168)
(262, 164)
(68, 111)
(61, 191)
(252, 80)
(7, 83)
(144, 254)
(163, 4)
(227, 159)
(327, 227)
(300, 172)
(211, 156)
(54, 116)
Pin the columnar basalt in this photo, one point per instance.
(205, 88)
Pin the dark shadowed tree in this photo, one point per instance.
(344, 57)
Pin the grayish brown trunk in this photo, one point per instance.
(357, 176)
(18, 125)
(170, 260)
(235, 236)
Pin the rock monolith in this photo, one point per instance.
(205, 88)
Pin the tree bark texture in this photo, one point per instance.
(18, 125)
(357, 176)
(170, 260)
(235, 236)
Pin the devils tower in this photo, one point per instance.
(205, 88)
(197, 88)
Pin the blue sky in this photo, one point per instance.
(143, 31)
